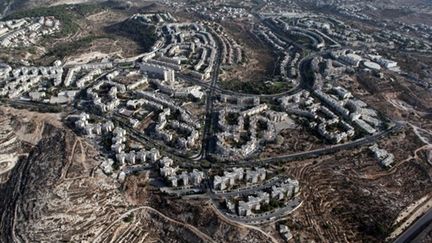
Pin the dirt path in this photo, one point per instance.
(241, 225)
(197, 232)
(394, 169)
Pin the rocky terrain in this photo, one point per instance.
(56, 194)
(75, 172)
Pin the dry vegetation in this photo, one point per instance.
(349, 197)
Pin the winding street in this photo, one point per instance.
(415, 229)
(242, 225)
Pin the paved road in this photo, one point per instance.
(415, 229)
(318, 152)
(209, 107)
(243, 225)
(263, 218)
(32, 104)
(238, 94)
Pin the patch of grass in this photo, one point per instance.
(255, 87)
(273, 204)
(144, 35)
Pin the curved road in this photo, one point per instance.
(192, 228)
(416, 229)
(321, 151)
